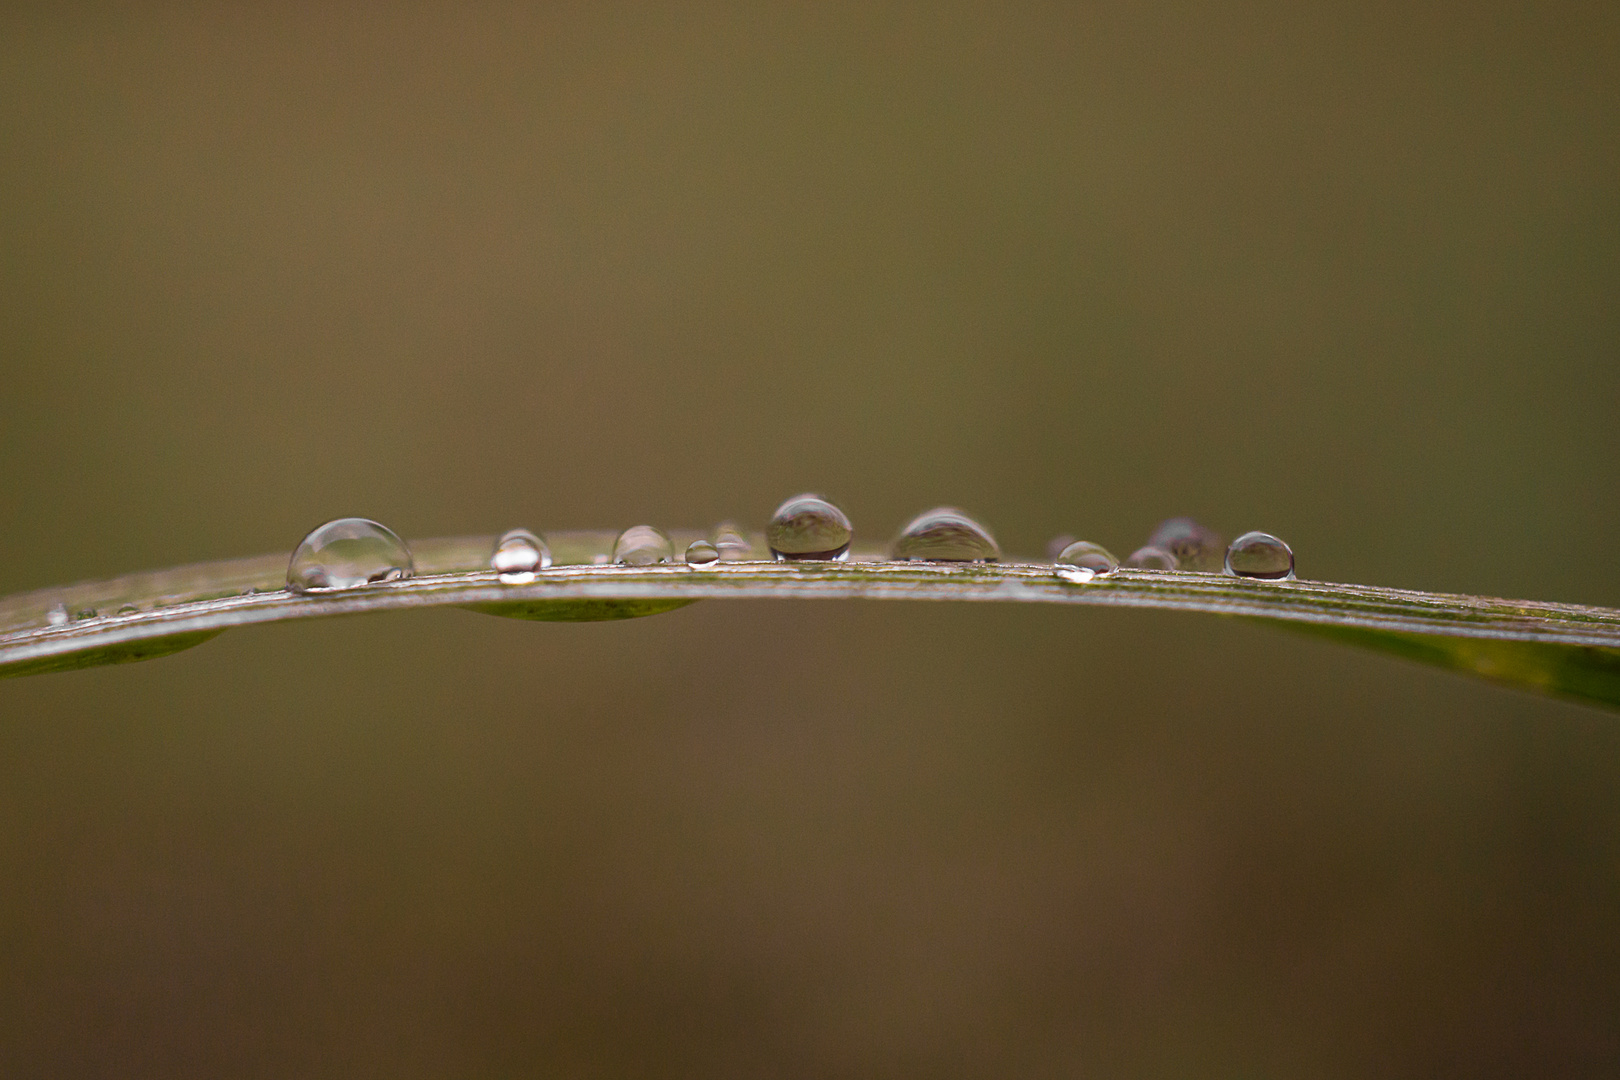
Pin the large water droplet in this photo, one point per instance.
(642, 545)
(731, 543)
(348, 552)
(945, 534)
(519, 556)
(1152, 558)
(1082, 561)
(1195, 547)
(1259, 555)
(809, 527)
(702, 553)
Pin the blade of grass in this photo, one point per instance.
(1563, 649)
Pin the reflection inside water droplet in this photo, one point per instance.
(347, 553)
(702, 553)
(809, 527)
(1151, 558)
(945, 534)
(519, 556)
(731, 543)
(1083, 561)
(1195, 547)
(1259, 555)
(642, 545)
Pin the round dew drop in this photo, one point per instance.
(731, 543)
(1083, 561)
(808, 527)
(642, 545)
(945, 534)
(1093, 557)
(1195, 547)
(1152, 558)
(519, 556)
(348, 553)
(1260, 555)
(702, 553)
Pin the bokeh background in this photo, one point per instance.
(1347, 273)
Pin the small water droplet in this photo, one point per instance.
(1055, 546)
(642, 545)
(731, 543)
(945, 534)
(128, 609)
(600, 559)
(346, 553)
(1195, 547)
(809, 527)
(85, 613)
(58, 615)
(702, 553)
(1082, 561)
(1259, 555)
(1152, 558)
(519, 556)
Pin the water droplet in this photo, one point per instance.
(702, 553)
(600, 559)
(642, 545)
(519, 555)
(1259, 555)
(1152, 558)
(945, 534)
(1082, 561)
(128, 609)
(731, 543)
(1055, 546)
(58, 615)
(348, 552)
(85, 613)
(1195, 547)
(809, 527)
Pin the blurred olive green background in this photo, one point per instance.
(1348, 274)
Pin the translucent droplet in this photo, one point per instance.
(1082, 561)
(85, 613)
(1195, 547)
(945, 534)
(642, 545)
(1259, 555)
(128, 609)
(519, 556)
(731, 543)
(58, 615)
(1152, 558)
(1055, 546)
(702, 553)
(346, 553)
(809, 527)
